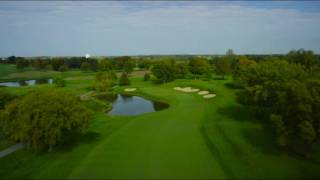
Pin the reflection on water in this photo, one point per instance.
(134, 105)
(26, 82)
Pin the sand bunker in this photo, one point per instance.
(130, 89)
(203, 92)
(208, 96)
(178, 88)
(186, 89)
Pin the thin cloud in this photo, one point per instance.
(119, 28)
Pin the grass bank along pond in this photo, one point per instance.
(125, 104)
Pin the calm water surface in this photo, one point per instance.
(134, 105)
(26, 82)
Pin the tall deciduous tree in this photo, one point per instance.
(223, 67)
(44, 118)
(56, 63)
(198, 66)
(164, 70)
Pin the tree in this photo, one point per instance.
(146, 77)
(164, 70)
(93, 63)
(85, 66)
(104, 82)
(21, 63)
(302, 57)
(124, 79)
(105, 65)
(181, 70)
(124, 63)
(240, 67)
(198, 66)
(63, 68)
(283, 90)
(40, 64)
(59, 81)
(11, 60)
(128, 66)
(43, 119)
(56, 63)
(223, 67)
(144, 63)
(230, 52)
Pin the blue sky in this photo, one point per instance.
(161, 27)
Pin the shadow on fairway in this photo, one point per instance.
(255, 131)
(217, 154)
(77, 139)
(232, 86)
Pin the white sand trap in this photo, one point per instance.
(194, 90)
(189, 89)
(208, 96)
(130, 89)
(186, 89)
(203, 92)
(178, 88)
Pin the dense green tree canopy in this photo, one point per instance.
(164, 70)
(223, 66)
(56, 63)
(104, 81)
(124, 79)
(44, 118)
(105, 65)
(85, 66)
(303, 57)
(284, 90)
(198, 66)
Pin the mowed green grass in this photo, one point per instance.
(6, 69)
(194, 138)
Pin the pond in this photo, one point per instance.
(134, 105)
(26, 82)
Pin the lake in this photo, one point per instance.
(26, 82)
(135, 105)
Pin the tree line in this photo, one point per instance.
(287, 92)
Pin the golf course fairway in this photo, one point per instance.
(195, 138)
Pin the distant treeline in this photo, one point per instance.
(300, 56)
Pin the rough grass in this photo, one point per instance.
(193, 139)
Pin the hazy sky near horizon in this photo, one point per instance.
(34, 28)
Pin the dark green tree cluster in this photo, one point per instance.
(21, 63)
(124, 79)
(144, 63)
(291, 97)
(146, 77)
(164, 70)
(40, 64)
(198, 67)
(302, 57)
(57, 63)
(168, 69)
(43, 119)
(104, 81)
